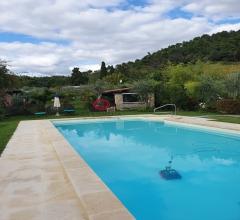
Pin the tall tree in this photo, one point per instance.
(7, 79)
(103, 70)
(110, 70)
(4, 79)
(78, 77)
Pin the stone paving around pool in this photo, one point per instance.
(42, 177)
(211, 124)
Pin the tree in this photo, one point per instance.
(177, 95)
(103, 70)
(78, 78)
(115, 79)
(144, 88)
(7, 79)
(192, 89)
(101, 85)
(210, 89)
(110, 70)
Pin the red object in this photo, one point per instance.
(101, 104)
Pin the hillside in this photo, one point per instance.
(218, 53)
(223, 46)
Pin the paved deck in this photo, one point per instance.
(41, 176)
(205, 122)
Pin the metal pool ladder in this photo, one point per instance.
(162, 106)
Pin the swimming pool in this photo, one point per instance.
(127, 154)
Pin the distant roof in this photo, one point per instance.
(116, 90)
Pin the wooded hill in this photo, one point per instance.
(222, 46)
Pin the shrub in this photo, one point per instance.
(233, 85)
(144, 88)
(18, 106)
(2, 109)
(228, 106)
(2, 113)
(87, 97)
(51, 110)
(33, 107)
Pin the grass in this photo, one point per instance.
(213, 116)
(8, 125)
(195, 114)
(6, 130)
(229, 119)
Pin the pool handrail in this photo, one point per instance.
(162, 106)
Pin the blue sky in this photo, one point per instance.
(50, 37)
(13, 37)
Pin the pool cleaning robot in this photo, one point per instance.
(169, 174)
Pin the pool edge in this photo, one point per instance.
(98, 200)
(176, 120)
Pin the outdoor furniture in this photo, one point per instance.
(69, 111)
(40, 113)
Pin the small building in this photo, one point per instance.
(124, 99)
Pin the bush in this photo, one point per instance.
(228, 106)
(2, 109)
(33, 107)
(67, 105)
(87, 97)
(2, 113)
(50, 110)
(18, 106)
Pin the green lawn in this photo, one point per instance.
(6, 130)
(192, 113)
(213, 116)
(230, 119)
(8, 125)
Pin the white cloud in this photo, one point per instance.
(225, 27)
(214, 9)
(100, 30)
(86, 67)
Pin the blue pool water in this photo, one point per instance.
(128, 155)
